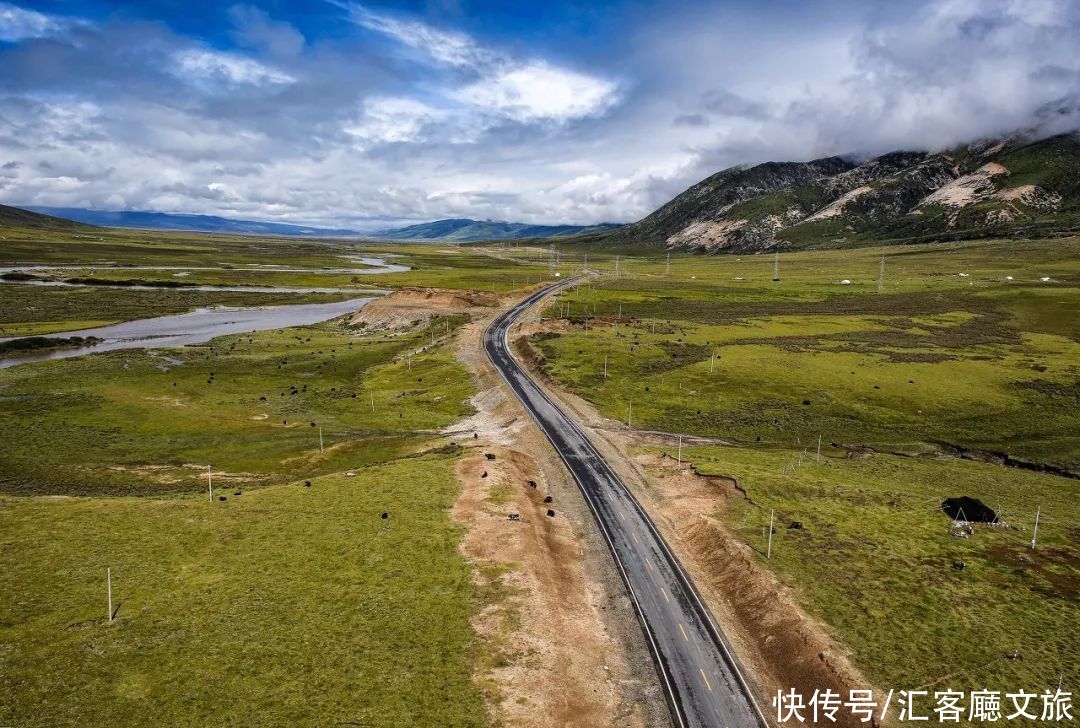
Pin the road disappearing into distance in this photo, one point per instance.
(703, 682)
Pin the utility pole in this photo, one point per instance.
(712, 362)
(1035, 530)
(629, 413)
(605, 366)
(210, 483)
(776, 266)
(768, 551)
(881, 276)
(616, 266)
(108, 579)
(320, 440)
(819, 448)
(373, 400)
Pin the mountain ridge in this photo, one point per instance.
(991, 188)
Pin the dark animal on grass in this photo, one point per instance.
(548, 499)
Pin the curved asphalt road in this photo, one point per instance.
(703, 683)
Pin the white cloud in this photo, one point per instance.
(506, 87)
(455, 49)
(18, 23)
(226, 68)
(539, 91)
(393, 120)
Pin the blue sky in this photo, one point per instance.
(369, 113)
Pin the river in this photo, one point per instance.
(203, 324)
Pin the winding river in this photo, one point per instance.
(203, 324)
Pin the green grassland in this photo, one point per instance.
(132, 421)
(874, 560)
(280, 605)
(448, 266)
(284, 606)
(227, 260)
(932, 362)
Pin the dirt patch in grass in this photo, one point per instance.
(548, 654)
(411, 307)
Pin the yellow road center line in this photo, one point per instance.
(683, 632)
(703, 677)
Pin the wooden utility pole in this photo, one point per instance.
(1035, 531)
(210, 483)
(712, 362)
(768, 551)
(321, 440)
(373, 400)
(108, 579)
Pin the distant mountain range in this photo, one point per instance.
(1005, 187)
(190, 223)
(458, 230)
(464, 230)
(17, 217)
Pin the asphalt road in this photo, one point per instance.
(703, 682)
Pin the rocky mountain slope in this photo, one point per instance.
(989, 189)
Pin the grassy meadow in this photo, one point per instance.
(276, 603)
(962, 349)
(284, 606)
